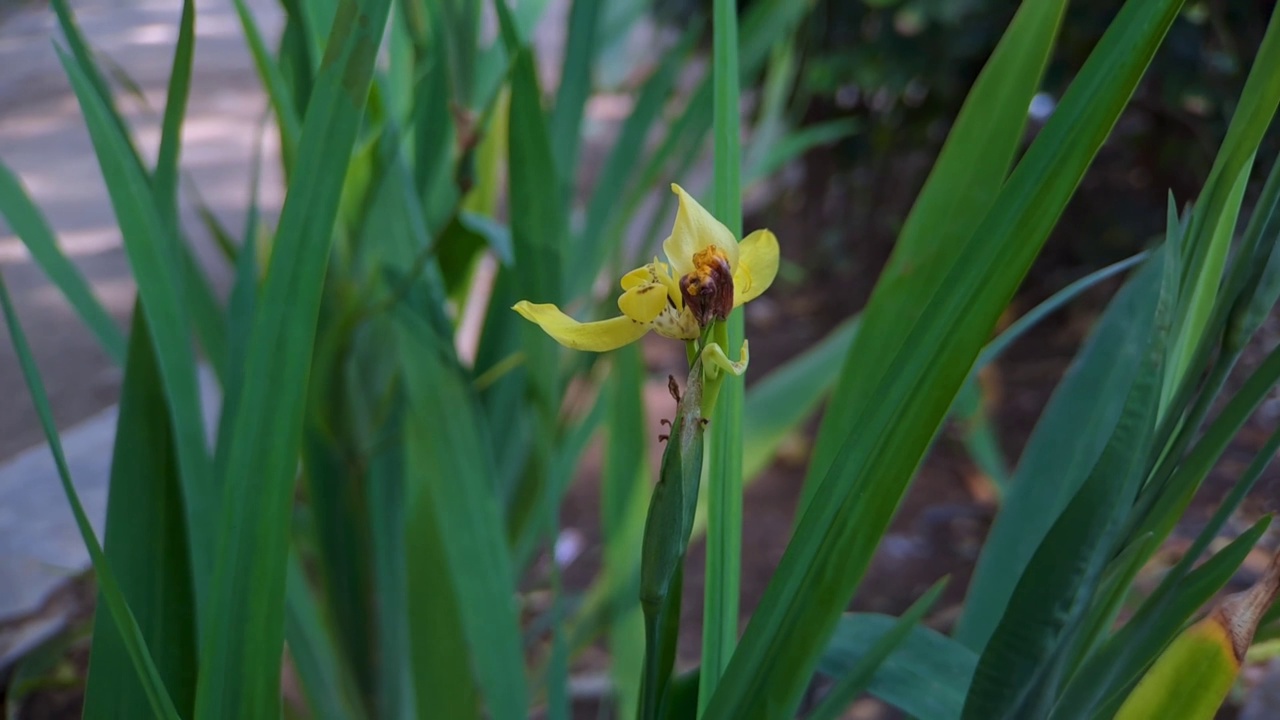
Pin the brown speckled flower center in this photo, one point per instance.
(708, 290)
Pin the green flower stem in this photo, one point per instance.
(719, 332)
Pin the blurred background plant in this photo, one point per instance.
(396, 450)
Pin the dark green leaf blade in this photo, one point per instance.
(29, 224)
(1022, 664)
(624, 485)
(920, 335)
(130, 633)
(241, 642)
(451, 491)
(852, 683)
(925, 677)
(146, 544)
(1105, 678)
(325, 679)
(150, 249)
(1068, 439)
(724, 441)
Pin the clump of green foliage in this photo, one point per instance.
(374, 498)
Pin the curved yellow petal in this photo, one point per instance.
(599, 336)
(694, 230)
(655, 272)
(643, 303)
(757, 266)
(639, 276)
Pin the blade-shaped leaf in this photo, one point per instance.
(29, 224)
(450, 466)
(919, 337)
(1214, 221)
(150, 248)
(326, 680)
(724, 439)
(965, 181)
(575, 85)
(1066, 443)
(925, 677)
(146, 544)
(1015, 673)
(1105, 678)
(130, 634)
(240, 649)
(622, 494)
(852, 683)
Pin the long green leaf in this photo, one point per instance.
(537, 219)
(326, 680)
(240, 652)
(925, 677)
(146, 544)
(150, 249)
(575, 86)
(440, 669)
(240, 309)
(386, 493)
(1214, 221)
(724, 441)
(921, 333)
(195, 286)
(850, 685)
(29, 224)
(1255, 282)
(538, 233)
(1067, 441)
(287, 116)
(1116, 666)
(453, 494)
(130, 634)
(965, 181)
(1167, 498)
(84, 59)
(165, 177)
(621, 498)
(1015, 673)
(340, 517)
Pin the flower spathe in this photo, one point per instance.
(707, 274)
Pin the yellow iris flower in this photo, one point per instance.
(707, 274)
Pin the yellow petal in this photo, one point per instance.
(593, 336)
(757, 266)
(642, 303)
(694, 230)
(639, 276)
(655, 272)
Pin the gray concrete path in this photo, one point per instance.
(43, 140)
